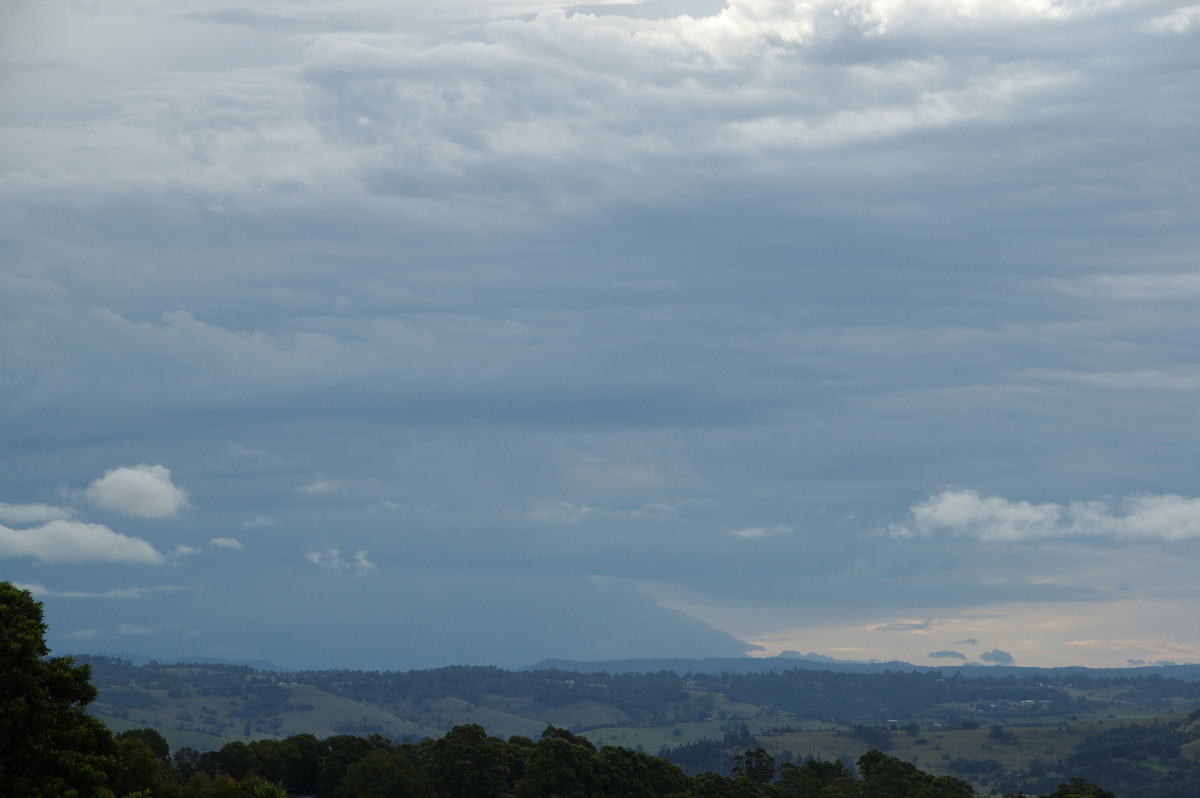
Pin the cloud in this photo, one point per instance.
(32, 513)
(227, 543)
(571, 514)
(997, 657)
(754, 532)
(946, 655)
(906, 626)
(332, 559)
(73, 541)
(323, 485)
(145, 491)
(561, 513)
(257, 458)
(472, 256)
(993, 519)
(86, 634)
(1182, 21)
(120, 592)
(139, 630)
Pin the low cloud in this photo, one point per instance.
(73, 541)
(227, 543)
(947, 655)
(754, 532)
(1180, 22)
(997, 657)
(323, 485)
(32, 513)
(132, 629)
(1161, 663)
(905, 626)
(86, 634)
(332, 559)
(120, 592)
(995, 519)
(144, 491)
(560, 513)
(571, 514)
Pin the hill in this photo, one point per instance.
(1018, 726)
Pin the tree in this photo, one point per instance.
(887, 777)
(1079, 788)
(466, 763)
(384, 774)
(756, 765)
(141, 768)
(560, 767)
(153, 740)
(49, 747)
(815, 778)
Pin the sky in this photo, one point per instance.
(401, 334)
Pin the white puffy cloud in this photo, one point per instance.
(994, 519)
(227, 543)
(73, 541)
(333, 560)
(145, 491)
(763, 531)
(31, 513)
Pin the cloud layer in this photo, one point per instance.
(520, 295)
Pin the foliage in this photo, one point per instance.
(1140, 760)
(48, 745)
(1079, 788)
(755, 766)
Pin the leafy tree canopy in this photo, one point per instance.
(49, 747)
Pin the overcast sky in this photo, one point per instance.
(394, 334)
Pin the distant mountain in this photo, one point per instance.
(719, 665)
(794, 661)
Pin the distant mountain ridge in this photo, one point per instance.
(718, 665)
(749, 665)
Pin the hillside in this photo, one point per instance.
(1020, 730)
